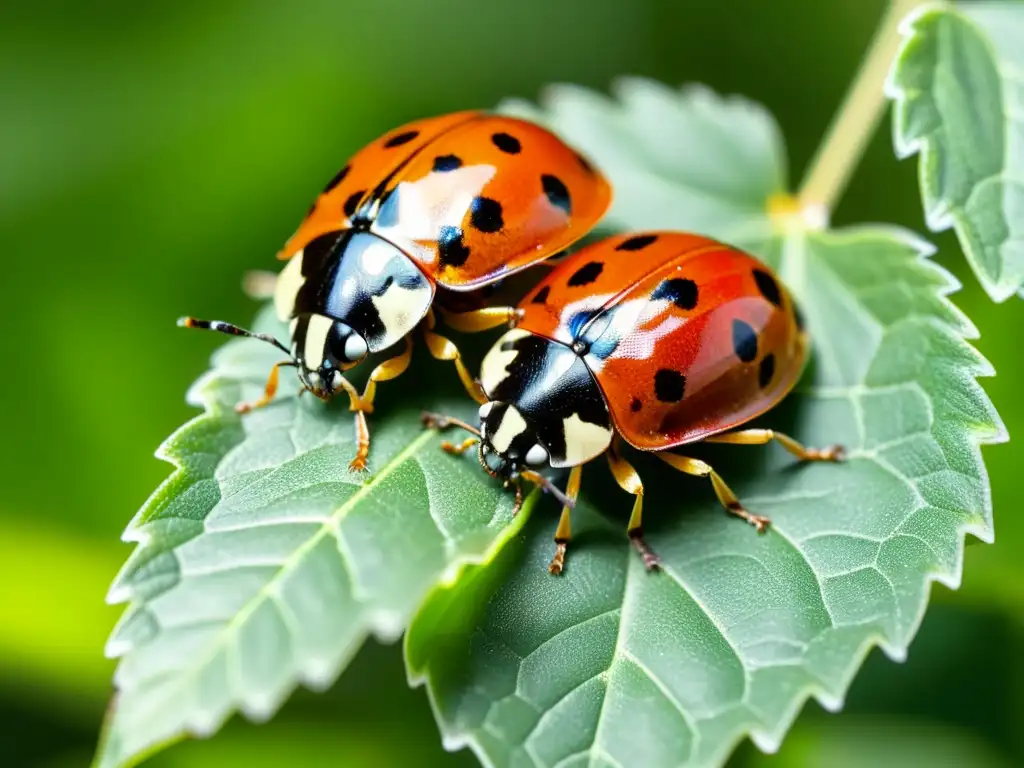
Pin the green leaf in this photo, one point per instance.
(613, 665)
(264, 563)
(958, 85)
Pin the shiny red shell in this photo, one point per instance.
(470, 197)
(685, 336)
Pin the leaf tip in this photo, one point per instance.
(115, 648)
(388, 625)
(118, 593)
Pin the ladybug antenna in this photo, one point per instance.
(232, 330)
(547, 486)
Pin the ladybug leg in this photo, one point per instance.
(480, 319)
(461, 448)
(722, 491)
(389, 369)
(358, 464)
(440, 421)
(564, 531)
(762, 436)
(269, 390)
(444, 349)
(363, 404)
(630, 482)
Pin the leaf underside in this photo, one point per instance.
(263, 563)
(958, 86)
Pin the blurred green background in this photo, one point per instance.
(151, 152)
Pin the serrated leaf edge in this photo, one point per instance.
(939, 214)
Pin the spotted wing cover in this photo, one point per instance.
(488, 198)
(686, 337)
(353, 185)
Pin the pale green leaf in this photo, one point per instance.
(264, 563)
(613, 665)
(958, 85)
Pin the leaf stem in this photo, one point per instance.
(858, 117)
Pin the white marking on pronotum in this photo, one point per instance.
(400, 309)
(485, 409)
(316, 340)
(583, 440)
(287, 289)
(512, 424)
(494, 368)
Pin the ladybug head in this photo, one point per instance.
(508, 444)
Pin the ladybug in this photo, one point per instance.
(454, 202)
(656, 339)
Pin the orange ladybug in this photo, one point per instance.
(656, 339)
(457, 201)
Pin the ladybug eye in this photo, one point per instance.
(537, 455)
(355, 347)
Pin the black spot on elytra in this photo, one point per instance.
(637, 243)
(556, 192)
(766, 370)
(768, 287)
(636, 405)
(586, 274)
(445, 163)
(681, 291)
(669, 385)
(542, 295)
(338, 178)
(744, 341)
(352, 203)
(451, 251)
(486, 215)
(507, 143)
(400, 139)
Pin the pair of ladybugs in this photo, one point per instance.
(654, 339)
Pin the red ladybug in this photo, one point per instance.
(657, 339)
(457, 201)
